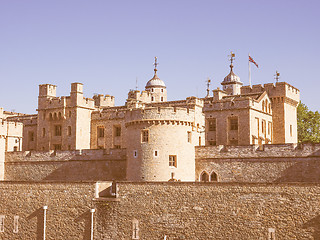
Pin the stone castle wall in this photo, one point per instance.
(66, 165)
(68, 214)
(211, 211)
(272, 163)
(175, 210)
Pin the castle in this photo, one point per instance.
(198, 168)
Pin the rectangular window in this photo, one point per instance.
(257, 123)
(212, 124)
(69, 130)
(57, 130)
(189, 137)
(233, 123)
(57, 147)
(145, 136)
(156, 153)
(117, 131)
(263, 126)
(16, 224)
(290, 130)
(172, 160)
(269, 127)
(2, 223)
(161, 99)
(31, 136)
(100, 131)
(43, 132)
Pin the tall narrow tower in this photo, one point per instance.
(156, 86)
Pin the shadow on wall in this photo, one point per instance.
(39, 214)
(89, 170)
(304, 171)
(314, 223)
(85, 219)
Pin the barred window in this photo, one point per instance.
(57, 130)
(212, 124)
(233, 123)
(172, 160)
(145, 136)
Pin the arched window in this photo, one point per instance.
(204, 177)
(51, 118)
(213, 177)
(60, 115)
(55, 116)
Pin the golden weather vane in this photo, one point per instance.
(231, 58)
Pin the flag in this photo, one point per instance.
(251, 60)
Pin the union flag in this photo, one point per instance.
(251, 60)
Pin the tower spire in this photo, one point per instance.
(231, 59)
(155, 65)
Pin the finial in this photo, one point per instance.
(155, 65)
(136, 83)
(277, 76)
(208, 87)
(232, 57)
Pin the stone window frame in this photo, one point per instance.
(117, 130)
(156, 153)
(31, 136)
(145, 136)
(201, 176)
(57, 130)
(173, 161)
(212, 124)
(135, 153)
(216, 176)
(100, 131)
(189, 136)
(233, 123)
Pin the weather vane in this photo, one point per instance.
(155, 65)
(208, 87)
(277, 76)
(231, 58)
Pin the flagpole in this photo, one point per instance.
(249, 70)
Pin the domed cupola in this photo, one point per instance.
(156, 86)
(231, 83)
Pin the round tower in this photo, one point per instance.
(162, 144)
(156, 86)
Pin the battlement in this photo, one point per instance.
(280, 89)
(12, 129)
(101, 100)
(109, 113)
(47, 90)
(228, 102)
(161, 113)
(255, 151)
(84, 154)
(135, 95)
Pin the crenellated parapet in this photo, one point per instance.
(172, 115)
(101, 100)
(279, 92)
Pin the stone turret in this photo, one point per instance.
(156, 87)
(231, 83)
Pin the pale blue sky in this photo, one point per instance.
(106, 45)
